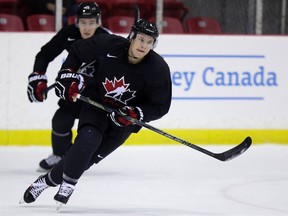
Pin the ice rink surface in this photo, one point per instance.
(156, 180)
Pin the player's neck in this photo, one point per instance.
(134, 60)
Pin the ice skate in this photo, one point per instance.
(34, 190)
(48, 163)
(63, 194)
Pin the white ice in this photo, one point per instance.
(156, 180)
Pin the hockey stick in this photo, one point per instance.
(224, 156)
(45, 91)
(136, 13)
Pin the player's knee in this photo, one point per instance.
(62, 123)
(90, 137)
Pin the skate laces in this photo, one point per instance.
(52, 159)
(66, 189)
(38, 187)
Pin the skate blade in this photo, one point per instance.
(58, 205)
(21, 201)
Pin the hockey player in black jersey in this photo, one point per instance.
(130, 77)
(88, 23)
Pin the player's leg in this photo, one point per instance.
(92, 125)
(76, 161)
(112, 140)
(62, 124)
(90, 147)
(69, 169)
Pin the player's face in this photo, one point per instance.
(87, 27)
(141, 45)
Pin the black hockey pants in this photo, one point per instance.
(62, 124)
(90, 147)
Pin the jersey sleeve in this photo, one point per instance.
(159, 94)
(50, 51)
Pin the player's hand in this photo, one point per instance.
(37, 84)
(68, 83)
(133, 112)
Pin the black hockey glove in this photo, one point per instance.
(68, 83)
(133, 112)
(37, 83)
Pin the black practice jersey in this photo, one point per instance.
(117, 82)
(61, 41)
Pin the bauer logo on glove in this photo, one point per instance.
(70, 75)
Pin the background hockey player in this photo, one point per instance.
(142, 78)
(88, 23)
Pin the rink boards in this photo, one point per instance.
(224, 89)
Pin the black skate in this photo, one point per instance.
(48, 163)
(63, 194)
(34, 190)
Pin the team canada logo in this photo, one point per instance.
(118, 90)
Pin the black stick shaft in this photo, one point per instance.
(136, 13)
(225, 156)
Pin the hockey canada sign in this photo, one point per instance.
(212, 77)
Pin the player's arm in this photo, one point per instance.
(156, 103)
(50, 51)
(159, 95)
(86, 50)
(68, 81)
(37, 80)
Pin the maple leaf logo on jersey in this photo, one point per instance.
(118, 90)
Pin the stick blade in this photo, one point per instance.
(236, 151)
